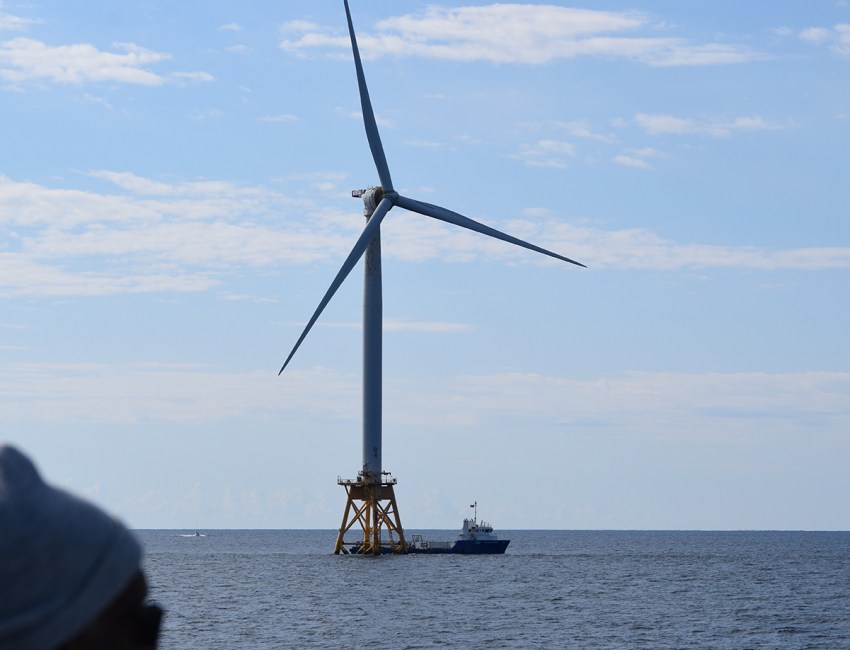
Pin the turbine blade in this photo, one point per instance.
(353, 257)
(448, 216)
(368, 115)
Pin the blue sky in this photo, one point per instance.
(175, 198)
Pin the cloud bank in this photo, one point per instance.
(145, 235)
(837, 37)
(530, 34)
(659, 404)
(24, 60)
(715, 127)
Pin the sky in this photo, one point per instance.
(175, 198)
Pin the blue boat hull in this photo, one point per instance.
(481, 547)
(461, 547)
(466, 547)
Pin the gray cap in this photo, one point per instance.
(62, 560)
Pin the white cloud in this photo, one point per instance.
(630, 161)
(20, 275)
(284, 118)
(152, 237)
(842, 40)
(299, 26)
(100, 101)
(148, 235)
(546, 153)
(815, 35)
(165, 392)
(231, 27)
(191, 76)
(516, 33)
(836, 37)
(145, 186)
(206, 114)
(641, 249)
(743, 392)
(581, 129)
(710, 405)
(657, 124)
(715, 127)
(10, 23)
(646, 152)
(670, 405)
(25, 59)
(639, 157)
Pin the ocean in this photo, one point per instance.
(552, 589)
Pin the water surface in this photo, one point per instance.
(552, 589)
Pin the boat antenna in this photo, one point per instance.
(475, 505)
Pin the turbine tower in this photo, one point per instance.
(371, 496)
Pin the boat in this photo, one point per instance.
(475, 538)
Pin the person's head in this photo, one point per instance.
(70, 575)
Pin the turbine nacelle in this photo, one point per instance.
(371, 198)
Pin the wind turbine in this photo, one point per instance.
(373, 485)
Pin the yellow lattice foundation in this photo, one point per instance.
(372, 505)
